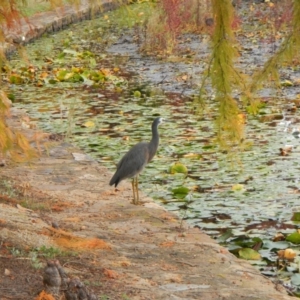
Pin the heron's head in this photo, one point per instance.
(160, 120)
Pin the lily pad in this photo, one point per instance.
(296, 216)
(225, 236)
(237, 187)
(295, 279)
(178, 168)
(180, 192)
(249, 254)
(267, 244)
(294, 238)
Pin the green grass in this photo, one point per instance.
(7, 188)
(33, 205)
(43, 252)
(32, 7)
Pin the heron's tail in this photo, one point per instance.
(114, 180)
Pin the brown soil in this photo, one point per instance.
(120, 251)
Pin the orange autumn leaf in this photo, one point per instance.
(44, 296)
(70, 241)
(110, 274)
(167, 244)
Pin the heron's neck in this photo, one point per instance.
(153, 143)
(155, 139)
(155, 136)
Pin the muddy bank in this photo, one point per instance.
(52, 21)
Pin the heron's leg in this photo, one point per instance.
(137, 189)
(133, 188)
(136, 192)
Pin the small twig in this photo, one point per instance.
(75, 269)
(158, 219)
(20, 296)
(185, 263)
(9, 257)
(74, 261)
(162, 80)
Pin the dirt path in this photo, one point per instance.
(122, 251)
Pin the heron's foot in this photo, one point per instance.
(138, 202)
(135, 202)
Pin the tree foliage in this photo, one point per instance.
(11, 142)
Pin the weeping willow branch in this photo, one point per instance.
(225, 76)
(285, 54)
(199, 102)
(12, 143)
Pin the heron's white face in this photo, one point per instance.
(161, 120)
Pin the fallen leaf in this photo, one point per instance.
(73, 219)
(167, 244)
(237, 187)
(289, 254)
(110, 274)
(286, 83)
(285, 150)
(44, 296)
(89, 124)
(184, 77)
(278, 237)
(7, 272)
(23, 208)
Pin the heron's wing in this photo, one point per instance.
(133, 161)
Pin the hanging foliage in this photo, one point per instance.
(225, 76)
(289, 49)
